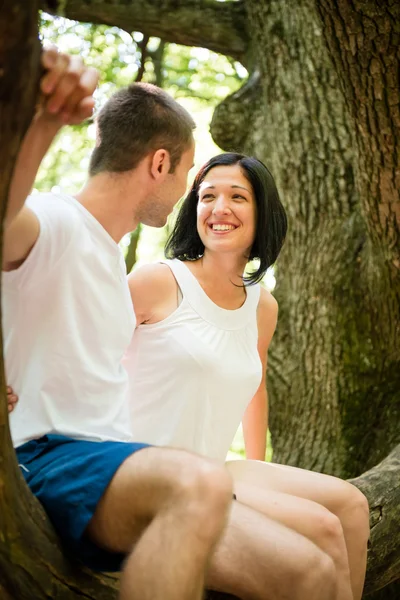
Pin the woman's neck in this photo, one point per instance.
(221, 278)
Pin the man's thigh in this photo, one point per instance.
(142, 486)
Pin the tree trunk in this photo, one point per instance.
(32, 566)
(321, 109)
(334, 363)
(334, 372)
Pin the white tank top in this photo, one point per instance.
(192, 375)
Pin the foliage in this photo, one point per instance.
(196, 75)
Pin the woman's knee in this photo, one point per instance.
(329, 534)
(354, 513)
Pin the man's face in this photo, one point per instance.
(169, 192)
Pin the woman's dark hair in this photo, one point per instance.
(184, 242)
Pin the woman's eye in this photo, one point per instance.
(207, 197)
(238, 197)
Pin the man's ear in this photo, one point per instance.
(160, 164)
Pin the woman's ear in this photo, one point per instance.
(160, 164)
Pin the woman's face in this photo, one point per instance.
(226, 211)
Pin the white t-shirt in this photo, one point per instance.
(67, 321)
(192, 375)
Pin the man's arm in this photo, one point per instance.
(67, 88)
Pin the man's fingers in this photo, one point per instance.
(50, 80)
(68, 87)
(67, 84)
(72, 109)
(49, 57)
(83, 111)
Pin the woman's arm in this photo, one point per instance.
(255, 420)
(153, 291)
(255, 425)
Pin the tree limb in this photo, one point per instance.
(219, 26)
(381, 486)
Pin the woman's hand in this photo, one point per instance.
(12, 399)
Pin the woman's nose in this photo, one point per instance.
(221, 206)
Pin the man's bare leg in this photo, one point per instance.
(166, 509)
(260, 559)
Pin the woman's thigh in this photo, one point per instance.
(308, 518)
(331, 492)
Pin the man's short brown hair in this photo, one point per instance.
(136, 120)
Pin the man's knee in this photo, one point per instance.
(204, 487)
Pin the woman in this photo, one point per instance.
(198, 358)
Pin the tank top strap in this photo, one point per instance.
(253, 297)
(206, 308)
(185, 280)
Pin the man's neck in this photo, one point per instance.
(106, 196)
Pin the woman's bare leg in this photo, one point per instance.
(308, 518)
(339, 497)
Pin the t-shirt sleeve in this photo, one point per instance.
(59, 225)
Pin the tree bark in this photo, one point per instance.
(32, 565)
(320, 108)
(334, 369)
(334, 372)
(364, 42)
(190, 23)
(381, 487)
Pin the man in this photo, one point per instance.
(68, 320)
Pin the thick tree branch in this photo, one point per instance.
(219, 26)
(230, 122)
(381, 487)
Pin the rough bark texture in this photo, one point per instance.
(329, 130)
(193, 22)
(32, 566)
(381, 487)
(321, 108)
(334, 371)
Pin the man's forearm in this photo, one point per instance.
(34, 147)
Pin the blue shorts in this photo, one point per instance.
(69, 477)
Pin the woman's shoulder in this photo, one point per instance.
(267, 302)
(150, 286)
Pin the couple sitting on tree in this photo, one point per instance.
(130, 389)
